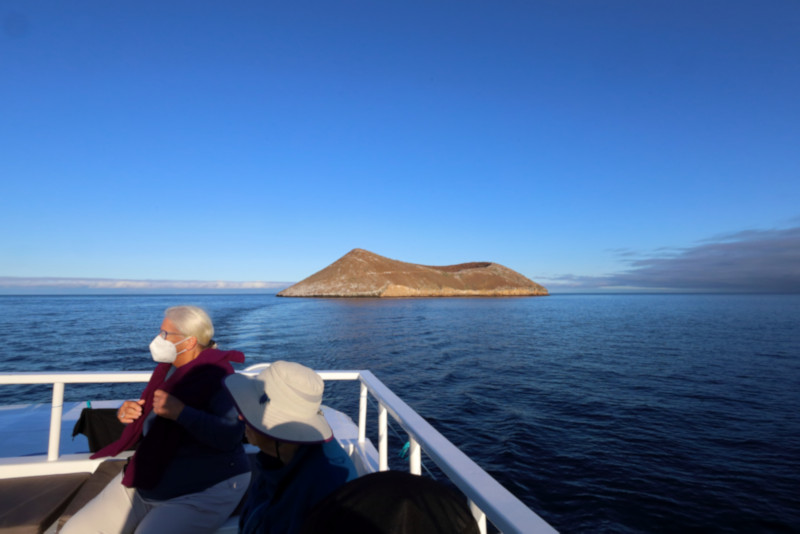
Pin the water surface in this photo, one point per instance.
(603, 413)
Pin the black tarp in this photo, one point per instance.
(392, 502)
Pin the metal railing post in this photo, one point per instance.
(362, 414)
(479, 516)
(383, 439)
(55, 421)
(414, 457)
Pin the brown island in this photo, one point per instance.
(360, 273)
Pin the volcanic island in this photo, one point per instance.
(361, 273)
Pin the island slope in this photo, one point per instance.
(361, 273)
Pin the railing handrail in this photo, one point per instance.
(106, 377)
(502, 508)
(85, 377)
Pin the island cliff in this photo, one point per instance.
(360, 273)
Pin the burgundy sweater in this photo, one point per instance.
(195, 384)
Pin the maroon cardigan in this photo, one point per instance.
(194, 384)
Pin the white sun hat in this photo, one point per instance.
(282, 401)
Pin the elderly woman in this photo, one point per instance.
(189, 471)
(299, 462)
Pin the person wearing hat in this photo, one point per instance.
(299, 463)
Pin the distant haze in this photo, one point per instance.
(19, 285)
(753, 261)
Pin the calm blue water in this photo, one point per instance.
(612, 413)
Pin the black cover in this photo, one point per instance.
(100, 425)
(391, 502)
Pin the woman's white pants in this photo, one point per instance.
(121, 510)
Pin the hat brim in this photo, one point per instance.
(247, 393)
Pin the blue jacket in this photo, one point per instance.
(211, 453)
(281, 496)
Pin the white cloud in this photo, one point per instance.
(758, 261)
(12, 283)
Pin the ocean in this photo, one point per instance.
(603, 413)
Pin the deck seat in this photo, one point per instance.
(104, 473)
(28, 505)
(94, 485)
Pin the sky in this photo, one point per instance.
(590, 146)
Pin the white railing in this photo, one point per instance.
(58, 380)
(488, 499)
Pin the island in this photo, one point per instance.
(361, 273)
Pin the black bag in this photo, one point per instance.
(391, 502)
(100, 425)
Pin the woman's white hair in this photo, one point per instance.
(193, 321)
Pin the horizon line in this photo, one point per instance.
(84, 283)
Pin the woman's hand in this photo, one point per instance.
(130, 411)
(167, 405)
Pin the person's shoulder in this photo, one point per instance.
(330, 465)
(329, 452)
(332, 449)
(337, 457)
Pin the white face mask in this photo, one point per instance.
(164, 351)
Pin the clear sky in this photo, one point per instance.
(585, 144)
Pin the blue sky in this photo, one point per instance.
(587, 145)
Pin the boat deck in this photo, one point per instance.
(36, 440)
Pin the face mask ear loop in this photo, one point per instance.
(181, 341)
